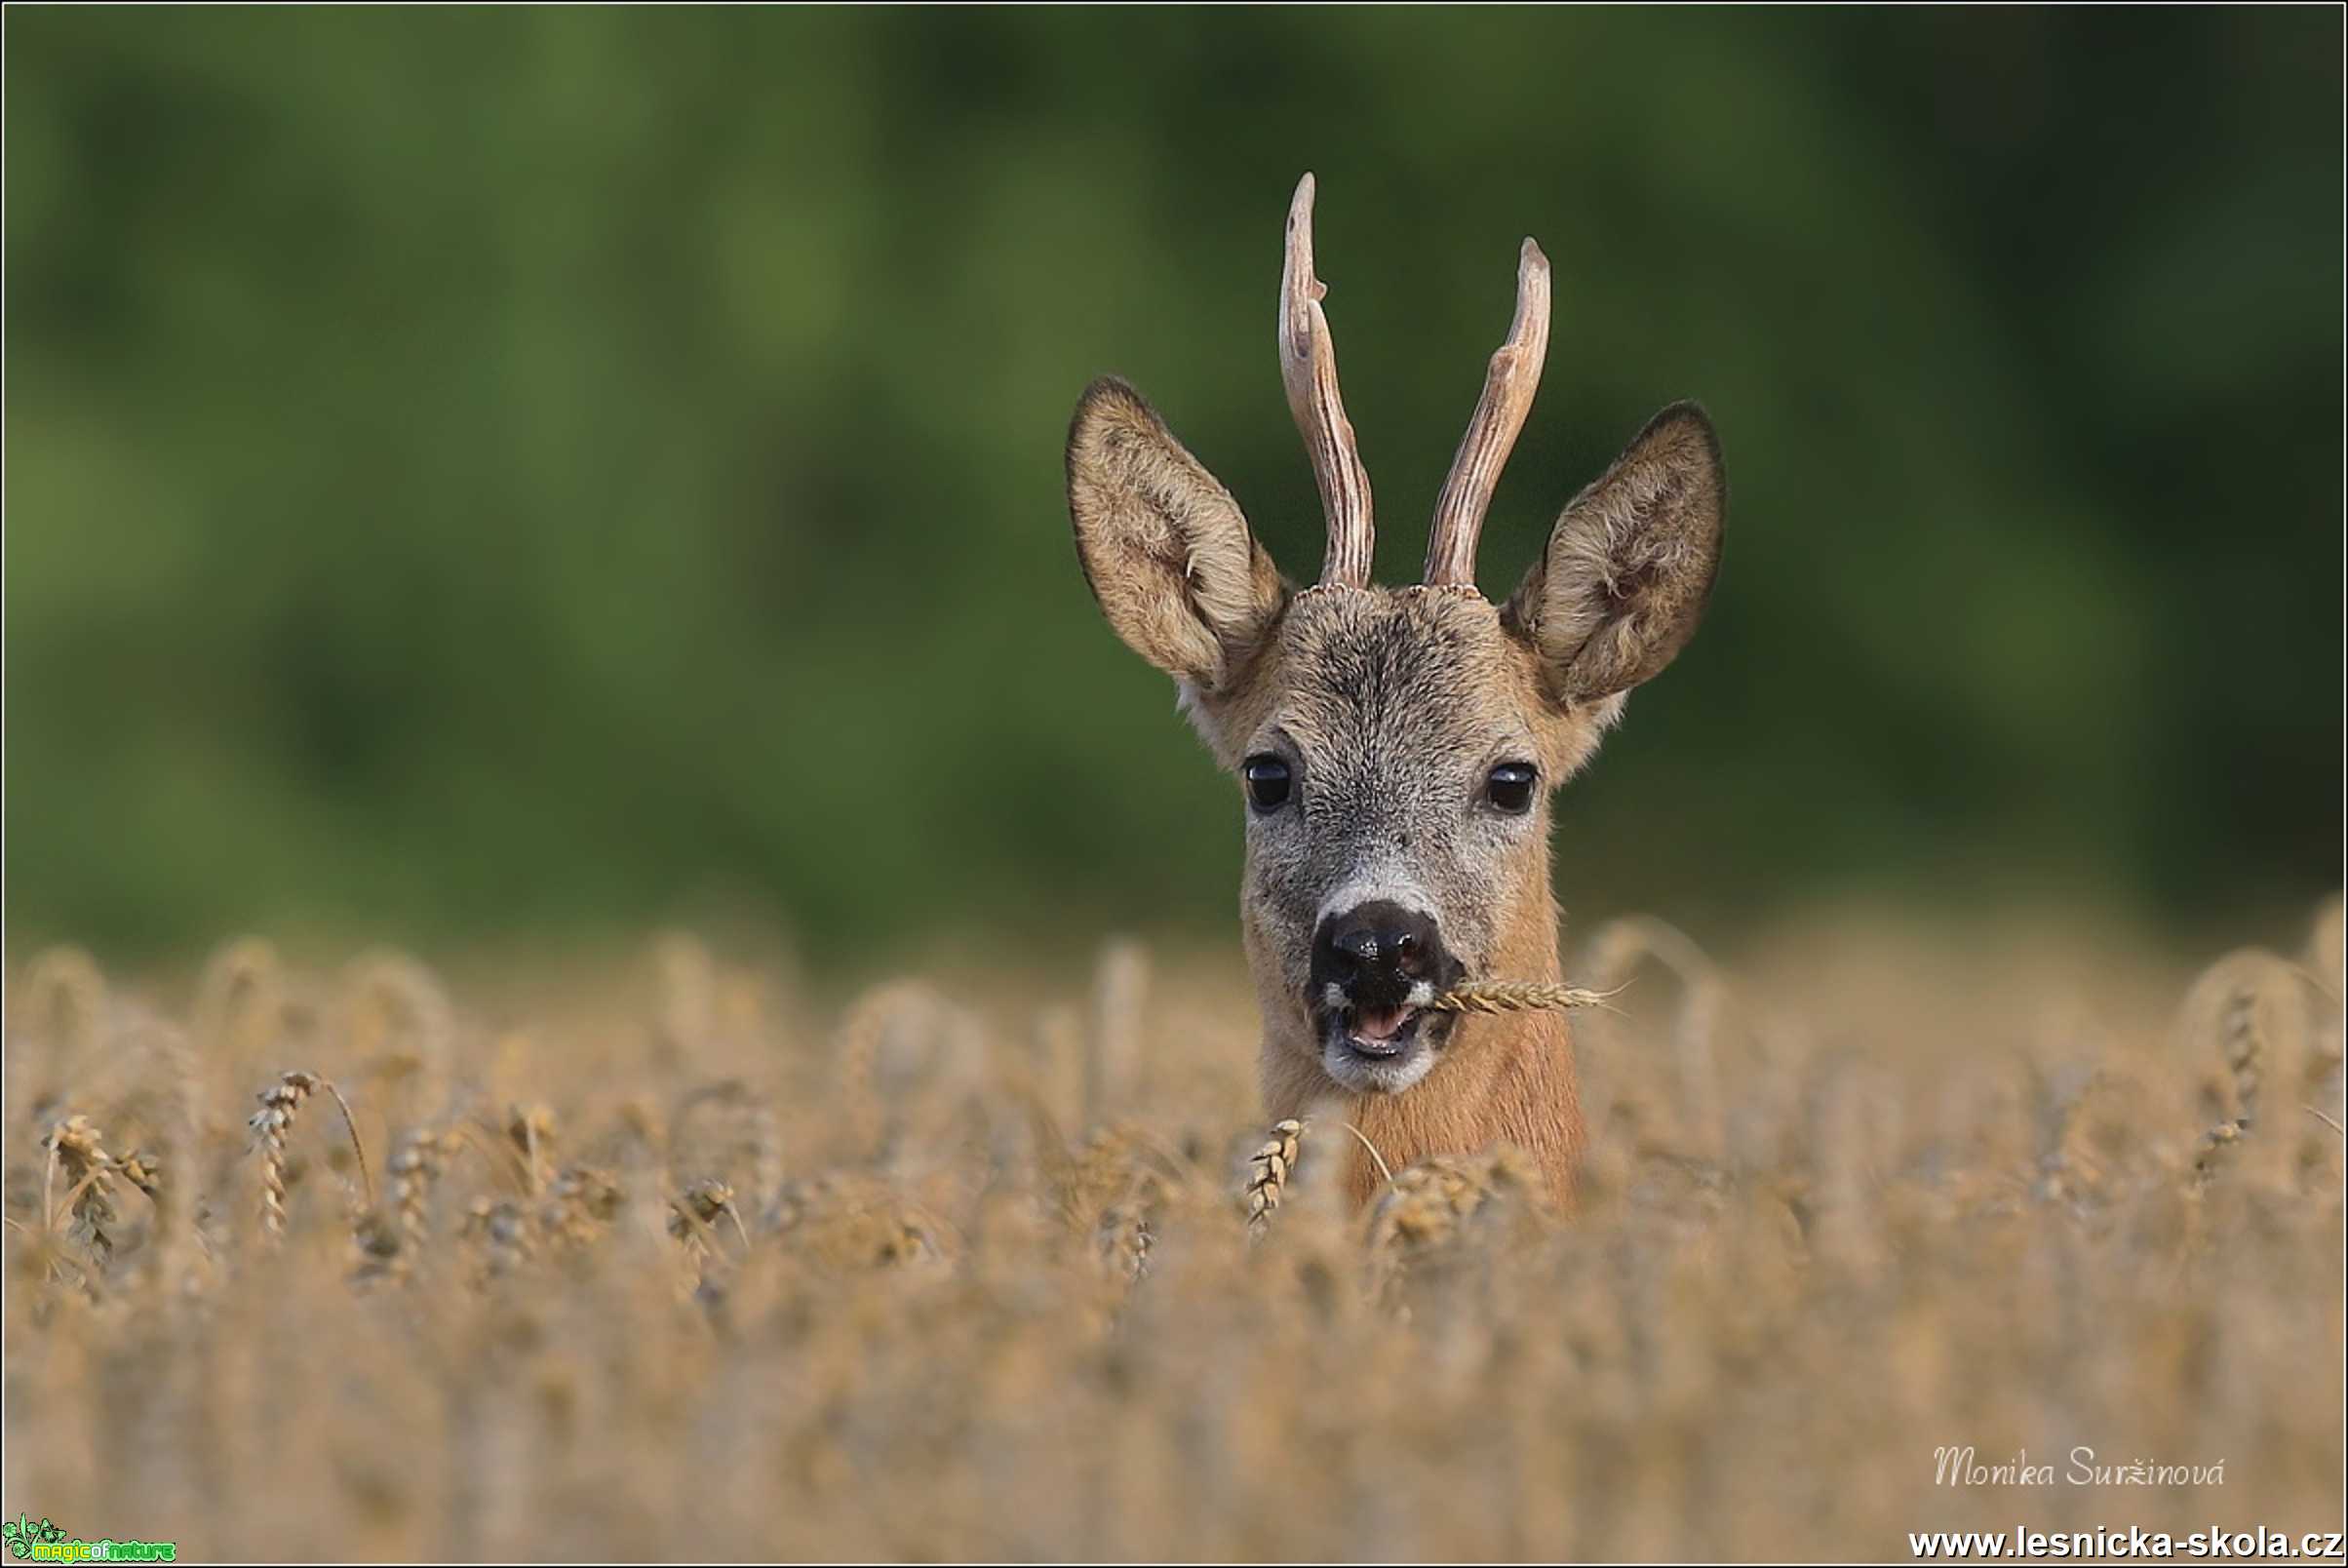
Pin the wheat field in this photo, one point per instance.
(685, 1257)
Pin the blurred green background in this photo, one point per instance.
(488, 471)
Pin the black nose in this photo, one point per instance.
(1376, 952)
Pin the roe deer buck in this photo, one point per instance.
(1397, 747)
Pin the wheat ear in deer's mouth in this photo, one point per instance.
(1518, 996)
(1388, 1031)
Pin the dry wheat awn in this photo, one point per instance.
(271, 1124)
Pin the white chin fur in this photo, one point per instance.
(1359, 1075)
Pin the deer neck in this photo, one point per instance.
(1506, 1077)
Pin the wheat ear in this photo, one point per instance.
(414, 1166)
(694, 1215)
(76, 1146)
(1518, 996)
(280, 1101)
(1268, 1172)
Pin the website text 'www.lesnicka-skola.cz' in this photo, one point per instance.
(2209, 1545)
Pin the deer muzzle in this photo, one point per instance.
(1375, 969)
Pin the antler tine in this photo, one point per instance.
(1308, 371)
(1500, 414)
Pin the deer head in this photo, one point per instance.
(1396, 748)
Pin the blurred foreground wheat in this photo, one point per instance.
(673, 1270)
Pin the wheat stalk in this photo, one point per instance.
(1518, 996)
(582, 1200)
(67, 1009)
(1428, 1212)
(1423, 1205)
(75, 1147)
(530, 1131)
(749, 1136)
(2216, 1149)
(280, 1102)
(400, 1020)
(1117, 1188)
(2061, 1096)
(240, 1002)
(1268, 1170)
(1122, 1239)
(862, 1034)
(500, 1231)
(1120, 1001)
(2242, 1046)
(694, 1214)
(2235, 1000)
(392, 1245)
(414, 1166)
(2243, 1041)
(164, 1056)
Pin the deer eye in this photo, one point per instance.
(1266, 783)
(1509, 789)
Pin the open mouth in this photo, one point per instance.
(1379, 1032)
(1377, 1049)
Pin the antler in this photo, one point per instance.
(1500, 414)
(1309, 370)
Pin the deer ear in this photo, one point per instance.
(1624, 581)
(1164, 545)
